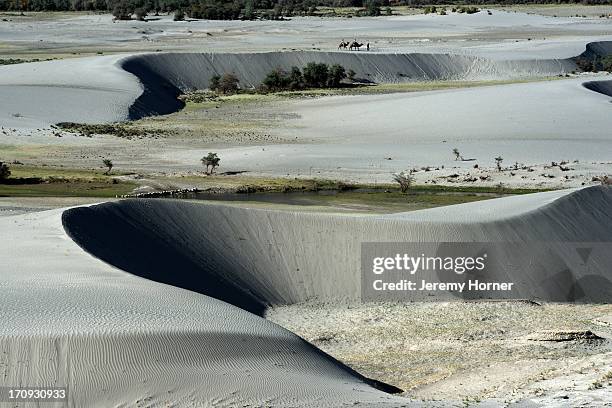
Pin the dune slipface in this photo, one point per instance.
(114, 338)
(255, 258)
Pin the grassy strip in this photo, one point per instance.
(67, 189)
(253, 184)
(204, 98)
(62, 182)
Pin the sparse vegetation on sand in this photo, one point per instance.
(595, 64)
(454, 349)
(13, 61)
(126, 130)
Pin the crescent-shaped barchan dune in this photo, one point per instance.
(76, 310)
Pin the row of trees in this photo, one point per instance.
(596, 64)
(233, 9)
(313, 75)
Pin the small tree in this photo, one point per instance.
(404, 179)
(296, 79)
(179, 15)
(140, 13)
(210, 161)
(606, 63)
(249, 10)
(351, 74)
(315, 75)
(372, 8)
(335, 75)
(5, 171)
(213, 82)
(108, 163)
(123, 11)
(228, 84)
(277, 80)
(457, 154)
(498, 162)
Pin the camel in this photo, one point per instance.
(343, 45)
(355, 46)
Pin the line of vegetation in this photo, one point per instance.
(242, 9)
(314, 75)
(442, 10)
(596, 64)
(13, 61)
(115, 129)
(17, 179)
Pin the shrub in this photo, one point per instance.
(108, 164)
(296, 79)
(277, 80)
(179, 15)
(140, 13)
(315, 75)
(213, 82)
(123, 11)
(606, 63)
(498, 162)
(336, 73)
(405, 180)
(5, 171)
(372, 8)
(228, 84)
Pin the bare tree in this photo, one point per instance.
(498, 162)
(457, 154)
(404, 179)
(108, 163)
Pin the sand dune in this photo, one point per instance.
(116, 88)
(117, 339)
(258, 257)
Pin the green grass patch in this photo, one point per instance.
(31, 181)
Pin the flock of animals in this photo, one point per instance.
(352, 46)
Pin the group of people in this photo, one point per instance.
(354, 45)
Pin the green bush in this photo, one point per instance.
(140, 13)
(315, 75)
(335, 75)
(123, 11)
(606, 63)
(5, 171)
(179, 15)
